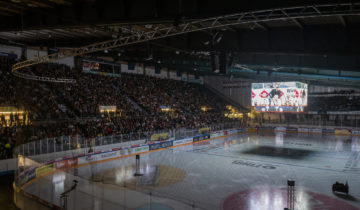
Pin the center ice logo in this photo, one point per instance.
(255, 165)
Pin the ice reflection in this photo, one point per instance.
(58, 181)
(339, 144)
(355, 144)
(123, 174)
(266, 198)
(279, 138)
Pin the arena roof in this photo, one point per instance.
(292, 35)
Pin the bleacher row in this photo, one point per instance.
(60, 109)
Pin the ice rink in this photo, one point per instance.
(246, 171)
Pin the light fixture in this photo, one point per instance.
(149, 58)
(106, 51)
(219, 38)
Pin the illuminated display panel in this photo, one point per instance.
(279, 96)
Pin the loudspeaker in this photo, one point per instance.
(215, 62)
(223, 63)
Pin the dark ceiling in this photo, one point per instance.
(318, 41)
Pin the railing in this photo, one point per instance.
(38, 158)
(67, 143)
(316, 121)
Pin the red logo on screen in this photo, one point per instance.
(264, 94)
(297, 94)
(253, 95)
(281, 94)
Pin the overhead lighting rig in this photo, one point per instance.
(154, 33)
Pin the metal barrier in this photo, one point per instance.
(313, 120)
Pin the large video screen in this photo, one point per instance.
(94, 66)
(279, 96)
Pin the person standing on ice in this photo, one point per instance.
(274, 97)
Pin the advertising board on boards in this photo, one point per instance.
(141, 149)
(182, 141)
(303, 130)
(355, 132)
(315, 130)
(201, 137)
(44, 169)
(342, 132)
(280, 129)
(328, 130)
(160, 145)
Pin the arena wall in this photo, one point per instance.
(237, 89)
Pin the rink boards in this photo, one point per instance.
(58, 164)
(310, 130)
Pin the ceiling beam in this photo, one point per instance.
(342, 20)
(184, 28)
(258, 24)
(13, 5)
(293, 19)
(10, 10)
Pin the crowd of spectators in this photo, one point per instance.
(7, 84)
(68, 109)
(334, 103)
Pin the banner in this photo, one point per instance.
(27, 176)
(141, 149)
(232, 131)
(44, 169)
(252, 130)
(108, 155)
(160, 145)
(280, 129)
(159, 136)
(342, 132)
(216, 134)
(328, 130)
(126, 151)
(303, 130)
(355, 132)
(201, 137)
(87, 159)
(61, 164)
(204, 130)
(182, 141)
(291, 129)
(315, 130)
(266, 128)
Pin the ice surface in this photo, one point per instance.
(217, 171)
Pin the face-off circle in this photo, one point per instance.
(276, 198)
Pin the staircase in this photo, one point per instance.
(130, 100)
(225, 98)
